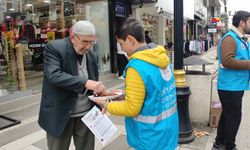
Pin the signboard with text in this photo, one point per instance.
(36, 45)
(120, 9)
(212, 30)
(211, 27)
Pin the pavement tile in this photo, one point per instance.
(118, 144)
(25, 141)
(181, 148)
(17, 133)
(242, 148)
(196, 147)
(31, 147)
(42, 144)
(183, 145)
(243, 143)
(35, 138)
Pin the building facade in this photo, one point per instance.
(26, 26)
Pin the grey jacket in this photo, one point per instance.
(61, 84)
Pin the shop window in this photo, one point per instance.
(151, 24)
(33, 23)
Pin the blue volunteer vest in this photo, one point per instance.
(157, 126)
(230, 79)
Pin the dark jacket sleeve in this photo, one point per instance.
(54, 70)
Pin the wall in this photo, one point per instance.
(96, 12)
(188, 7)
(199, 100)
(158, 36)
(168, 6)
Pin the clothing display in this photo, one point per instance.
(194, 47)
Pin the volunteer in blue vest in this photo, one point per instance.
(149, 105)
(233, 79)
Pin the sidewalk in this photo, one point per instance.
(29, 136)
(210, 57)
(206, 142)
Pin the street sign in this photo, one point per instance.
(211, 27)
(120, 9)
(212, 30)
(211, 24)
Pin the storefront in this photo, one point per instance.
(200, 20)
(166, 9)
(152, 21)
(188, 19)
(26, 26)
(169, 30)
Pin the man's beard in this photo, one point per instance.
(82, 51)
(247, 31)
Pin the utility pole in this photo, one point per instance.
(182, 88)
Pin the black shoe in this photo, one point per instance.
(218, 146)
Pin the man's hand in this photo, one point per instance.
(96, 86)
(103, 104)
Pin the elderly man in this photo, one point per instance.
(70, 75)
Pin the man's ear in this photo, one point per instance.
(242, 22)
(131, 39)
(71, 35)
